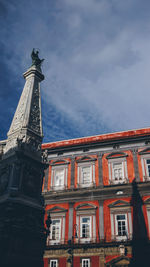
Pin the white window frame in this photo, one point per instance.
(114, 226)
(82, 165)
(111, 163)
(85, 261)
(120, 237)
(61, 238)
(64, 168)
(144, 158)
(58, 227)
(83, 223)
(53, 261)
(92, 227)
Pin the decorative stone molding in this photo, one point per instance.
(86, 158)
(119, 204)
(117, 154)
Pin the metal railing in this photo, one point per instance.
(83, 241)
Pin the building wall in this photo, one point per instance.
(124, 154)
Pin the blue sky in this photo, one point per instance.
(97, 63)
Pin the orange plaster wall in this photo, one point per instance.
(105, 170)
(45, 262)
(130, 167)
(62, 205)
(49, 177)
(107, 220)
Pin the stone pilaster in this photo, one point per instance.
(70, 232)
(100, 170)
(72, 171)
(101, 220)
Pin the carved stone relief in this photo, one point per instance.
(4, 178)
(31, 181)
(35, 115)
(22, 106)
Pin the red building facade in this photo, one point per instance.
(97, 192)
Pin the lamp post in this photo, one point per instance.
(71, 244)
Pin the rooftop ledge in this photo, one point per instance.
(98, 138)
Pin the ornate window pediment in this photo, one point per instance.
(147, 201)
(56, 209)
(85, 206)
(86, 158)
(119, 261)
(59, 162)
(145, 151)
(117, 154)
(119, 204)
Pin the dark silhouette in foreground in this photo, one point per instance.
(140, 241)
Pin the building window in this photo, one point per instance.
(59, 177)
(85, 223)
(121, 221)
(86, 174)
(53, 263)
(85, 262)
(121, 225)
(57, 231)
(117, 171)
(85, 227)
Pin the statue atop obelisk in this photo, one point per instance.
(22, 233)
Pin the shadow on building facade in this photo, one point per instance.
(140, 241)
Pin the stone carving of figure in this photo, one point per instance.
(45, 156)
(35, 58)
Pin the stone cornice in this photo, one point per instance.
(95, 193)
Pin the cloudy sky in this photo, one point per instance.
(97, 63)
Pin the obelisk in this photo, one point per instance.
(22, 233)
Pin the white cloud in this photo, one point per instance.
(96, 65)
